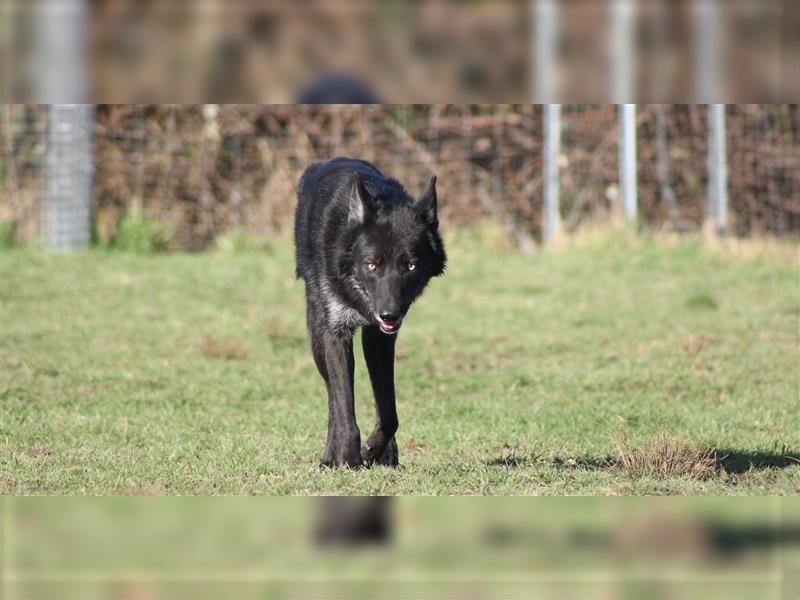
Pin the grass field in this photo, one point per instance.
(609, 366)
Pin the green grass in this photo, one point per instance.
(191, 374)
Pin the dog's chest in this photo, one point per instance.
(340, 315)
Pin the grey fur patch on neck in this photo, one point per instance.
(339, 314)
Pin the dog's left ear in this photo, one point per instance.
(425, 205)
(361, 207)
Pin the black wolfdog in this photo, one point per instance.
(366, 251)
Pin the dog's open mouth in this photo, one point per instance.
(389, 328)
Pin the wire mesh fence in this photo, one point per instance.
(201, 171)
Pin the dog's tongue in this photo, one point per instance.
(388, 326)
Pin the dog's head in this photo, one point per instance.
(394, 250)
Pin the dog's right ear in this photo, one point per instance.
(426, 204)
(360, 201)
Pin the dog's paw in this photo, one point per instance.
(350, 459)
(343, 450)
(389, 457)
(350, 464)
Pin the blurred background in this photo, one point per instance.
(441, 51)
(140, 375)
(179, 177)
(460, 548)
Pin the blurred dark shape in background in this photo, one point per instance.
(444, 51)
(148, 548)
(357, 521)
(337, 88)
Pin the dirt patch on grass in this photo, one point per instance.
(32, 452)
(145, 490)
(228, 349)
(695, 344)
(38, 452)
(413, 446)
(284, 334)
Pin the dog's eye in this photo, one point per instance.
(411, 266)
(371, 266)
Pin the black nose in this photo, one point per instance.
(389, 316)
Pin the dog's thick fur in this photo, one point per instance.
(366, 251)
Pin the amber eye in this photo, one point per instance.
(411, 266)
(371, 266)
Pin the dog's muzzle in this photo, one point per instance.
(389, 327)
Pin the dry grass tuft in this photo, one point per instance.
(223, 348)
(277, 326)
(665, 456)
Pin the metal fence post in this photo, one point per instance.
(622, 49)
(627, 160)
(552, 149)
(545, 50)
(69, 163)
(717, 210)
(707, 51)
(60, 55)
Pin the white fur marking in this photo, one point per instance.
(339, 314)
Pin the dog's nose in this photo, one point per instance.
(389, 316)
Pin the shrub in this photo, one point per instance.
(8, 234)
(139, 233)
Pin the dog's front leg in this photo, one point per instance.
(381, 447)
(344, 438)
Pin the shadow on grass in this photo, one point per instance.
(513, 461)
(731, 461)
(591, 463)
(741, 461)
